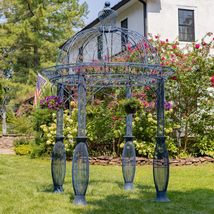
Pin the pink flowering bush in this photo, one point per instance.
(188, 90)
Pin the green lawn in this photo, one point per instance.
(26, 187)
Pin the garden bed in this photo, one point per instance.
(108, 160)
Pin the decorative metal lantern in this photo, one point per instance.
(80, 173)
(128, 164)
(161, 170)
(58, 165)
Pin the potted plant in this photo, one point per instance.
(52, 102)
(131, 105)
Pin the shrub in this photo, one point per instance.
(23, 146)
(24, 149)
(204, 146)
(70, 132)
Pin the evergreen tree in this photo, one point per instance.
(32, 30)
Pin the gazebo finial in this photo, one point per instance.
(107, 4)
(107, 16)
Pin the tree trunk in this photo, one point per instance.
(186, 136)
(4, 122)
(36, 56)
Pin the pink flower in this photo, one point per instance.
(146, 104)
(129, 46)
(163, 58)
(174, 78)
(174, 46)
(212, 81)
(147, 88)
(162, 43)
(167, 40)
(146, 45)
(197, 46)
(157, 37)
(114, 118)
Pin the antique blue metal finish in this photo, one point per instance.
(128, 156)
(80, 173)
(58, 163)
(86, 62)
(161, 159)
(80, 163)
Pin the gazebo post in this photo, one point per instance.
(161, 159)
(80, 163)
(58, 163)
(128, 156)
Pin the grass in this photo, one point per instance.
(26, 187)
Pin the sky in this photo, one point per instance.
(94, 7)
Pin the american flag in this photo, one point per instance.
(41, 81)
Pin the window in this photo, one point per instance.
(100, 46)
(186, 25)
(124, 35)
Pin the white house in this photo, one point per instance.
(186, 20)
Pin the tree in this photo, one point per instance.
(33, 30)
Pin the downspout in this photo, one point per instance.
(145, 16)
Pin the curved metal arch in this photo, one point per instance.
(87, 35)
(56, 72)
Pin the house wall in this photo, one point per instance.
(135, 15)
(163, 17)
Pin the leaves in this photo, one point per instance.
(34, 30)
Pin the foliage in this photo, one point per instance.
(131, 105)
(52, 102)
(41, 116)
(30, 34)
(23, 149)
(204, 146)
(188, 105)
(32, 31)
(70, 132)
(188, 89)
(21, 141)
(23, 146)
(20, 124)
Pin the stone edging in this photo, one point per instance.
(106, 160)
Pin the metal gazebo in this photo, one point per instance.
(99, 58)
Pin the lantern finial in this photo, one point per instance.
(107, 4)
(107, 16)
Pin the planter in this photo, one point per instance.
(131, 105)
(130, 109)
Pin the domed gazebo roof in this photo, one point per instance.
(107, 49)
(111, 43)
